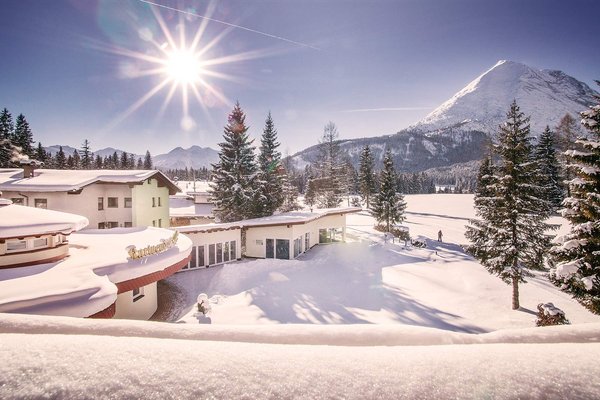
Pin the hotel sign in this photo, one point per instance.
(165, 244)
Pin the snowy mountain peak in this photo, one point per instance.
(545, 95)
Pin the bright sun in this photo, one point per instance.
(183, 67)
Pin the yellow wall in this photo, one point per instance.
(143, 212)
(142, 309)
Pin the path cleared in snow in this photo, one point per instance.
(371, 281)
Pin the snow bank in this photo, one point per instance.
(91, 366)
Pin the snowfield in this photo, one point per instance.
(363, 320)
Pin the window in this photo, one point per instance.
(259, 242)
(159, 201)
(270, 249)
(101, 225)
(16, 245)
(193, 258)
(226, 251)
(160, 222)
(137, 293)
(100, 203)
(40, 242)
(219, 253)
(211, 254)
(233, 250)
(282, 249)
(17, 200)
(41, 203)
(127, 224)
(127, 202)
(113, 202)
(154, 202)
(201, 256)
(153, 222)
(112, 224)
(306, 241)
(149, 181)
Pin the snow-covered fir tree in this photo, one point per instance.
(124, 162)
(549, 171)
(147, 161)
(310, 193)
(74, 161)
(23, 136)
(513, 220)
(41, 155)
(330, 167)
(577, 254)
(7, 129)
(232, 189)
(388, 205)
(567, 132)
(290, 197)
(98, 162)
(270, 177)
(478, 230)
(139, 164)
(366, 176)
(86, 155)
(60, 159)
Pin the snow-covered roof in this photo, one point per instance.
(85, 282)
(185, 207)
(63, 180)
(290, 218)
(20, 221)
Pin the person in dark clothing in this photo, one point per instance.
(440, 235)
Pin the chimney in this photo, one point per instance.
(29, 166)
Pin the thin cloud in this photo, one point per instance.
(387, 109)
(231, 25)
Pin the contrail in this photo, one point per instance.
(231, 25)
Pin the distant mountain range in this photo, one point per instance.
(458, 130)
(455, 132)
(194, 157)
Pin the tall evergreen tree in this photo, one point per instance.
(86, 155)
(330, 168)
(478, 232)
(98, 162)
(270, 177)
(140, 164)
(549, 171)
(577, 254)
(366, 175)
(115, 163)
(40, 153)
(388, 206)
(124, 163)
(7, 129)
(23, 136)
(75, 160)
(147, 161)
(515, 222)
(61, 159)
(233, 176)
(310, 193)
(567, 132)
(131, 161)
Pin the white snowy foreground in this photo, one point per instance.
(77, 358)
(367, 319)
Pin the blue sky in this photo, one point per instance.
(399, 59)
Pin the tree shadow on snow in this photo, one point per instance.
(347, 290)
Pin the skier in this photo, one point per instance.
(440, 235)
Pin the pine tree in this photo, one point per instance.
(513, 222)
(7, 129)
(484, 200)
(567, 132)
(40, 153)
(366, 175)
(131, 161)
(124, 163)
(270, 178)
(86, 155)
(388, 206)
(61, 160)
(290, 197)
(23, 137)
(310, 194)
(140, 164)
(577, 254)
(98, 162)
(549, 178)
(147, 161)
(75, 160)
(115, 162)
(233, 176)
(330, 168)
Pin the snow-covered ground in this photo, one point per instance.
(369, 280)
(370, 320)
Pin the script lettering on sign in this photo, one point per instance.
(165, 244)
